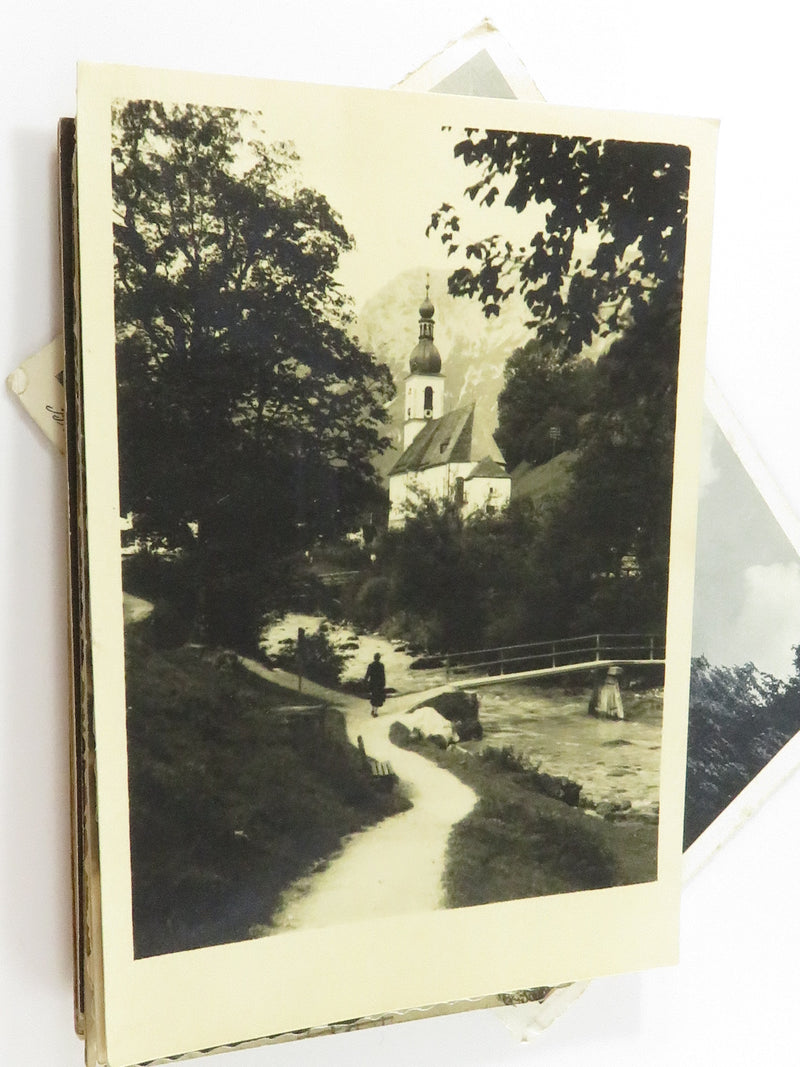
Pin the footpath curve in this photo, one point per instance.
(395, 867)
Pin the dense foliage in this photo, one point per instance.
(615, 229)
(601, 276)
(446, 582)
(739, 718)
(248, 417)
(615, 520)
(542, 403)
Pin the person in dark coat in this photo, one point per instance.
(376, 683)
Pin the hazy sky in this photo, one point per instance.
(384, 176)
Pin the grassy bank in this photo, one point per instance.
(519, 843)
(237, 786)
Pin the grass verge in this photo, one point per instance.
(237, 787)
(518, 843)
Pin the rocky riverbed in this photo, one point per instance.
(615, 762)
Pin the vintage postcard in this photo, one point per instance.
(391, 485)
(744, 698)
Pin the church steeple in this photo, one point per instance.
(424, 383)
(425, 358)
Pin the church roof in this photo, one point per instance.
(545, 481)
(488, 468)
(444, 440)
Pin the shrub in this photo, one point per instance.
(318, 657)
(418, 632)
(169, 624)
(370, 602)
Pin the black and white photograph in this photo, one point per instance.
(232, 791)
(404, 500)
(744, 697)
(311, 494)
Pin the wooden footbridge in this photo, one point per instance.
(594, 651)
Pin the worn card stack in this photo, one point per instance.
(384, 435)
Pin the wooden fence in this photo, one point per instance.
(565, 652)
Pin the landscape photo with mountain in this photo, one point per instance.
(427, 440)
(744, 698)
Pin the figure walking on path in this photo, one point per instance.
(376, 683)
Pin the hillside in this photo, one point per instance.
(544, 482)
(237, 787)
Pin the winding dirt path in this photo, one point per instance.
(393, 868)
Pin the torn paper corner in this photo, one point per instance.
(527, 1020)
(38, 384)
(479, 63)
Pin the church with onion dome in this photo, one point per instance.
(438, 459)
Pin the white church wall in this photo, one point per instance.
(405, 490)
(439, 483)
(482, 493)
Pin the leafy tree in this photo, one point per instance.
(739, 719)
(614, 231)
(518, 597)
(248, 417)
(433, 584)
(605, 261)
(541, 392)
(609, 542)
(446, 582)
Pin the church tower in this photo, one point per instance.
(424, 385)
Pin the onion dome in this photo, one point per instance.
(425, 358)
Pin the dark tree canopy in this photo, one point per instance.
(620, 505)
(541, 404)
(625, 201)
(446, 581)
(739, 719)
(248, 416)
(604, 261)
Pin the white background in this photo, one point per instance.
(733, 998)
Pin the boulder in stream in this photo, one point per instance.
(459, 707)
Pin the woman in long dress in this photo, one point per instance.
(376, 683)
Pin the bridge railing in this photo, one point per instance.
(537, 655)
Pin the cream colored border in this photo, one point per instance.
(209, 997)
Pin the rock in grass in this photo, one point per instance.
(422, 724)
(399, 734)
